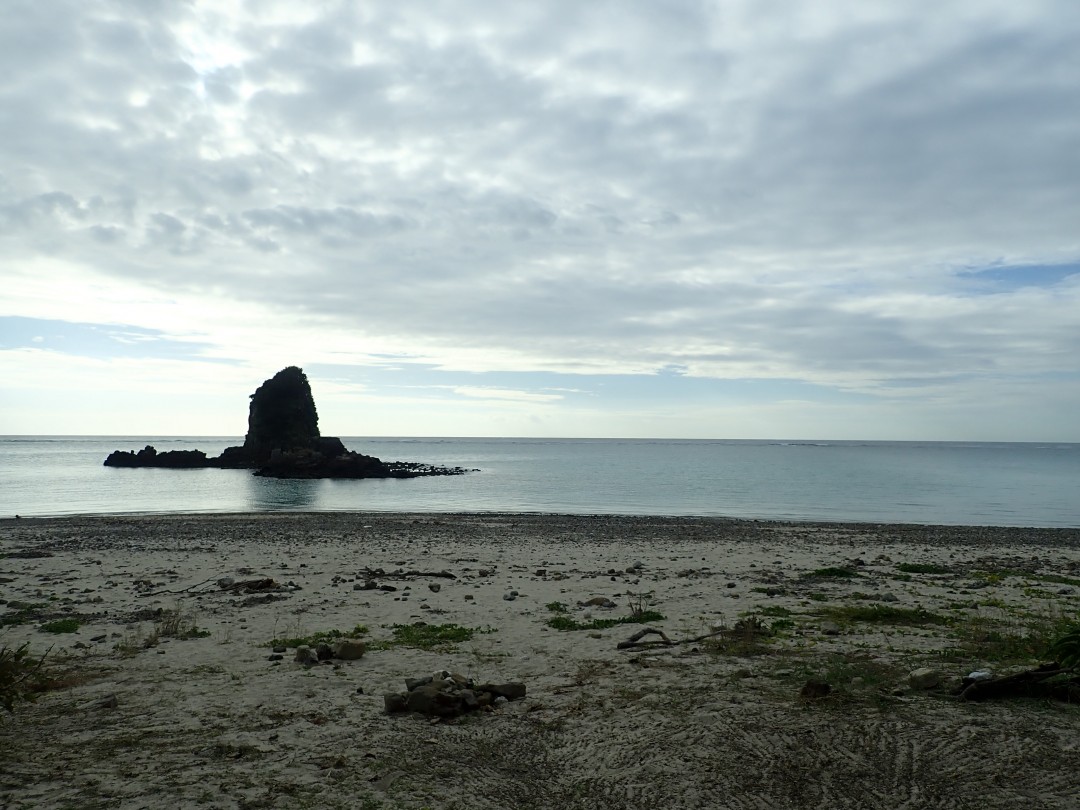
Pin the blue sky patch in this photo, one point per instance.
(106, 341)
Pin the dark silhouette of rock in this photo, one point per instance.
(283, 441)
(282, 417)
(149, 457)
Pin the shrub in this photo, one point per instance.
(18, 675)
(1066, 647)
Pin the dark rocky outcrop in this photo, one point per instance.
(282, 419)
(149, 457)
(448, 694)
(283, 441)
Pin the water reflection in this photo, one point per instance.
(282, 494)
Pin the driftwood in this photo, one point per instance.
(182, 590)
(635, 642)
(1030, 683)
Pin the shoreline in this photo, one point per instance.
(869, 525)
(211, 721)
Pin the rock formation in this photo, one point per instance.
(283, 441)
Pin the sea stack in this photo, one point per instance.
(282, 416)
(283, 441)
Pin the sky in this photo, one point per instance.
(839, 219)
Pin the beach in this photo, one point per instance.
(169, 692)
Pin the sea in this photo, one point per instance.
(946, 483)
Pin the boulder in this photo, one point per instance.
(924, 678)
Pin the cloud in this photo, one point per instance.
(861, 197)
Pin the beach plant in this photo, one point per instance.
(1066, 647)
(832, 573)
(177, 623)
(922, 568)
(19, 674)
(423, 636)
(884, 614)
(60, 626)
(569, 623)
(557, 607)
(322, 637)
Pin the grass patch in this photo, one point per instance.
(774, 610)
(1057, 579)
(60, 626)
(569, 623)
(749, 637)
(922, 568)
(557, 607)
(1011, 639)
(884, 614)
(832, 573)
(424, 636)
(323, 637)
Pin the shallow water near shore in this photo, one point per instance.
(1002, 484)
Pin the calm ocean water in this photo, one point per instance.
(909, 482)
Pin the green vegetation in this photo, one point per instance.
(832, 573)
(922, 568)
(19, 613)
(774, 610)
(424, 636)
(567, 623)
(557, 607)
(60, 626)
(749, 637)
(323, 637)
(1066, 647)
(1014, 639)
(18, 675)
(998, 575)
(884, 614)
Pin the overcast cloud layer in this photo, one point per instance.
(740, 218)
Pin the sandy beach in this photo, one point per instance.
(170, 693)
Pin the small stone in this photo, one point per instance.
(509, 597)
(416, 683)
(924, 678)
(280, 649)
(889, 597)
(598, 601)
(359, 690)
(324, 652)
(387, 588)
(306, 656)
(732, 585)
(541, 572)
(394, 703)
(510, 691)
(275, 657)
(830, 628)
(469, 597)
(434, 587)
(225, 582)
(596, 635)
